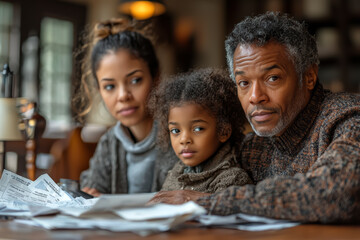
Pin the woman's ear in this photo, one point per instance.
(310, 77)
(225, 134)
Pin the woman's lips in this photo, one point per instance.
(127, 111)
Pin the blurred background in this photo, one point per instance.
(38, 39)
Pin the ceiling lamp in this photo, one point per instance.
(142, 10)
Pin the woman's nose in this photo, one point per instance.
(124, 94)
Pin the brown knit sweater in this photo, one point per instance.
(311, 173)
(218, 173)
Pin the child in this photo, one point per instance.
(122, 66)
(200, 115)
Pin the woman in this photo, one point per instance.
(124, 69)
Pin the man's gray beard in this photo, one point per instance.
(285, 119)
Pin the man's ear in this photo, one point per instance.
(225, 134)
(310, 77)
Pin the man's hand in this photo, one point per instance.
(176, 197)
(91, 191)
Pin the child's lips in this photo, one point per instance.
(187, 153)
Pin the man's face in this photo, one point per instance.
(268, 87)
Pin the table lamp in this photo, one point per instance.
(9, 120)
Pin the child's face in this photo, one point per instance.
(125, 82)
(193, 133)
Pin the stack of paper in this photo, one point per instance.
(43, 203)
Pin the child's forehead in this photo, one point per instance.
(190, 109)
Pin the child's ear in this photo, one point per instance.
(225, 134)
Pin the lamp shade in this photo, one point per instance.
(9, 120)
(142, 9)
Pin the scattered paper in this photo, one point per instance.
(43, 203)
(246, 222)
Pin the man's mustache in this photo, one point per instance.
(258, 108)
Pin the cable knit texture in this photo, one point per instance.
(118, 159)
(311, 173)
(218, 173)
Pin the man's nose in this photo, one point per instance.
(257, 94)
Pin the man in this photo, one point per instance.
(304, 156)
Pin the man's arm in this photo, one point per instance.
(176, 197)
(328, 192)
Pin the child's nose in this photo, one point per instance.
(185, 138)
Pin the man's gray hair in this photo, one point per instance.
(277, 27)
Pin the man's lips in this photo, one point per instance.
(261, 116)
(127, 111)
(186, 153)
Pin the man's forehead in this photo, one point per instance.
(245, 53)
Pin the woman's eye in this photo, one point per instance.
(198, 129)
(109, 87)
(174, 131)
(135, 80)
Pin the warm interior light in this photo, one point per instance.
(142, 9)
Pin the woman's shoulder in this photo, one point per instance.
(108, 137)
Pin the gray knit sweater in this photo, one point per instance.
(121, 166)
(218, 173)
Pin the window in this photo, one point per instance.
(6, 12)
(56, 69)
(37, 39)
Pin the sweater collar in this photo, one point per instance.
(217, 160)
(121, 133)
(295, 133)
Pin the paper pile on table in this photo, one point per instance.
(43, 203)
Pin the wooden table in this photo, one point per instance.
(13, 230)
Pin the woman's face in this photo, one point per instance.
(125, 83)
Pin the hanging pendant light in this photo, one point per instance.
(142, 10)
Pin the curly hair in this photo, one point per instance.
(211, 88)
(274, 26)
(109, 37)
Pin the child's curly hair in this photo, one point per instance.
(212, 89)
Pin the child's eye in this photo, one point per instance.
(174, 131)
(135, 80)
(198, 129)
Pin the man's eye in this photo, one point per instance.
(135, 80)
(174, 131)
(243, 83)
(273, 78)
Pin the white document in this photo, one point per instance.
(245, 222)
(14, 188)
(45, 183)
(109, 203)
(162, 217)
(160, 211)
